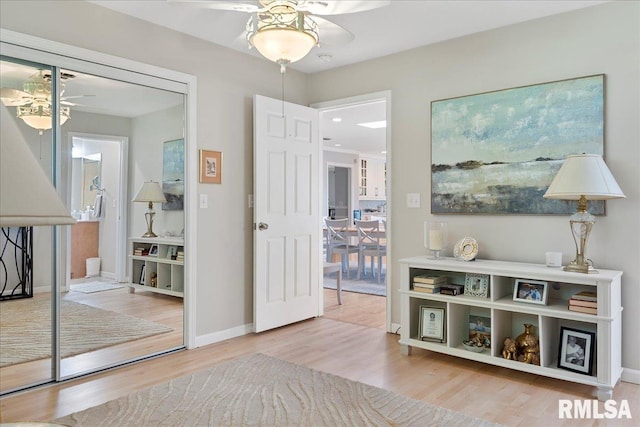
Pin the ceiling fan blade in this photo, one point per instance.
(64, 98)
(15, 98)
(248, 6)
(332, 34)
(340, 7)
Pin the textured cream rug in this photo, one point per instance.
(259, 390)
(25, 329)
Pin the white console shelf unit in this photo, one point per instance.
(508, 316)
(169, 272)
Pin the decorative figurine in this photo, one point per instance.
(510, 349)
(154, 280)
(528, 347)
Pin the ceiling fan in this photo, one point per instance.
(33, 103)
(284, 31)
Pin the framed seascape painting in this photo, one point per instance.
(173, 175)
(497, 152)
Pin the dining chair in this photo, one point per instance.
(339, 241)
(369, 244)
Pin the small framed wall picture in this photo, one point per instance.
(432, 324)
(531, 291)
(210, 167)
(576, 350)
(476, 285)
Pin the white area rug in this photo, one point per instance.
(25, 334)
(259, 390)
(91, 287)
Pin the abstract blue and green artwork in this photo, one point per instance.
(173, 175)
(497, 152)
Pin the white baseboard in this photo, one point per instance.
(108, 275)
(215, 337)
(395, 328)
(631, 376)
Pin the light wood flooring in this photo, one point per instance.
(352, 344)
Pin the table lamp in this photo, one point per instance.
(583, 177)
(150, 192)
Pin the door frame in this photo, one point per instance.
(366, 99)
(121, 221)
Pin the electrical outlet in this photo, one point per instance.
(204, 201)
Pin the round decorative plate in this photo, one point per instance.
(466, 249)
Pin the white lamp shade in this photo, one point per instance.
(283, 44)
(584, 175)
(150, 191)
(27, 197)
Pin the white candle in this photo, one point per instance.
(435, 240)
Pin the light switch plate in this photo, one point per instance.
(204, 201)
(413, 200)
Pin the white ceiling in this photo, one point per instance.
(402, 25)
(397, 27)
(393, 28)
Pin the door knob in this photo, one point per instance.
(263, 226)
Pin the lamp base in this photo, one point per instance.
(149, 234)
(580, 268)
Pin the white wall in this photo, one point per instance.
(226, 83)
(601, 39)
(148, 134)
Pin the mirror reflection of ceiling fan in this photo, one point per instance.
(285, 31)
(33, 102)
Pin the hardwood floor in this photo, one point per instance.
(350, 344)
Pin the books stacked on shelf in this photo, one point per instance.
(141, 251)
(451, 289)
(180, 256)
(429, 284)
(584, 302)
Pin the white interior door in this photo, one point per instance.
(287, 160)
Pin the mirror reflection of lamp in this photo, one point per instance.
(583, 177)
(150, 192)
(27, 197)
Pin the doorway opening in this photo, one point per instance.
(97, 188)
(356, 133)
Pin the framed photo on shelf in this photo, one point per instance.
(480, 329)
(210, 167)
(432, 324)
(531, 291)
(576, 350)
(143, 273)
(172, 252)
(153, 251)
(476, 285)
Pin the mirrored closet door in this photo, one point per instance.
(114, 137)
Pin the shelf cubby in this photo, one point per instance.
(169, 272)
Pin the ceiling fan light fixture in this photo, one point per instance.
(282, 34)
(39, 116)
